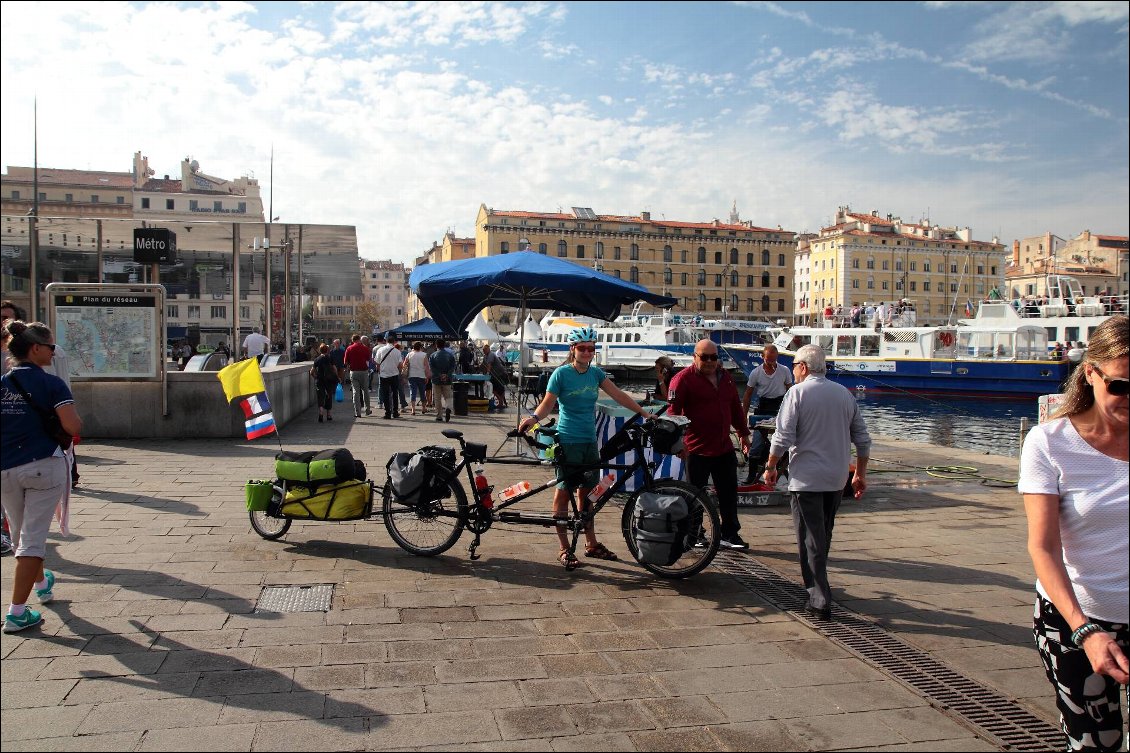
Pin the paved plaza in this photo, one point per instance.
(154, 641)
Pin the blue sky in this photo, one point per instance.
(401, 118)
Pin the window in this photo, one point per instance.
(733, 256)
(764, 279)
(913, 266)
(504, 247)
(993, 271)
(701, 255)
(780, 281)
(562, 249)
(749, 281)
(870, 284)
(16, 195)
(926, 266)
(898, 265)
(749, 259)
(953, 269)
(667, 276)
(542, 249)
(953, 287)
(683, 256)
(172, 312)
(781, 262)
(193, 312)
(93, 198)
(855, 263)
(764, 303)
(668, 254)
(870, 263)
(217, 206)
(702, 277)
(170, 204)
(684, 278)
(702, 301)
(635, 252)
(855, 284)
(634, 274)
(765, 259)
(733, 279)
(244, 312)
(599, 250)
(885, 285)
(717, 281)
(69, 198)
(980, 269)
(926, 287)
(885, 266)
(242, 207)
(616, 253)
(219, 312)
(580, 251)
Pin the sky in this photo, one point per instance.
(1010, 118)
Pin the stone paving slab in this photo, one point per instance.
(153, 642)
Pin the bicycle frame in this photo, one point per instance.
(480, 517)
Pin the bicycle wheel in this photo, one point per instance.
(428, 528)
(702, 537)
(268, 527)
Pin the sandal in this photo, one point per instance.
(601, 552)
(569, 560)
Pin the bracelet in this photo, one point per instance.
(1085, 630)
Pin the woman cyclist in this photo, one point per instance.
(573, 388)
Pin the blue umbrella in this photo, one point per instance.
(454, 291)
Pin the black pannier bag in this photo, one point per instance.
(667, 435)
(421, 477)
(662, 523)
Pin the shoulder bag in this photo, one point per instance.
(51, 423)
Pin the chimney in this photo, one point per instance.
(1016, 253)
(645, 216)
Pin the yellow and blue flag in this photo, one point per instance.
(242, 378)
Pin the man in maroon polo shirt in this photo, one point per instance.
(357, 357)
(706, 394)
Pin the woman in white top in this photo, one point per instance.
(1073, 475)
(419, 372)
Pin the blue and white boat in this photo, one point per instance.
(982, 359)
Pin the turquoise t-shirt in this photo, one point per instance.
(576, 402)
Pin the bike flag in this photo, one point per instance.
(241, 378)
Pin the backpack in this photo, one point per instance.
(326, 372)
(662, 525)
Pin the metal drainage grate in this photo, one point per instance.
(313, 598)
(993, 714)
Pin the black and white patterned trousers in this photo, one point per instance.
(1090, 708)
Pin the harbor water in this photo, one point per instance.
(967, 423)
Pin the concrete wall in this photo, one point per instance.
(196, 405)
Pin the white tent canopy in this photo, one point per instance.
(530, 332)
(478, 330)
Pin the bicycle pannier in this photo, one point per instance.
(667, 437)
(662, 528)
(421, 476)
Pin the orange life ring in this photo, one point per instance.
(946, 339)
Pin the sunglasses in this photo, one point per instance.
(1118, 386)
(585, 348)
(50, 346)
(707, 356)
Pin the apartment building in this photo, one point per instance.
(1099, 262)
(868, 258)
(729, 269)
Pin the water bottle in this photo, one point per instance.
(604, 485)
(513, 491)
(482, 489)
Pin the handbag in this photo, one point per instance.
(51, 423)
(339, 393)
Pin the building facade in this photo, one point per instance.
(733, 269)
(868, 258)
(1098, 262)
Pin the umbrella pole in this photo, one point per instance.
(519, 445)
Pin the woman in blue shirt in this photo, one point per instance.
(573, 388)
(33, 468)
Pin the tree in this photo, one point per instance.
(368, 315)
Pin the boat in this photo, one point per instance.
(631, 342)
(729, 331)
(1066, 313)
(984, 358)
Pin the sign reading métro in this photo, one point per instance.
(154, 245)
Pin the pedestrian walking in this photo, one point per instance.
(357, 357)
(818, 422)
(38, 411)
(442, 363)
(388, 369)
(1074, 472)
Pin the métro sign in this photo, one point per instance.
(154, 245)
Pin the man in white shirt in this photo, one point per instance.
(388, 358)
(255, 344)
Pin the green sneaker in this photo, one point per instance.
(14, 624)
(44, 594)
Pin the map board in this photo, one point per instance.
(110, 335)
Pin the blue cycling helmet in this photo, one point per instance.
(582, 335)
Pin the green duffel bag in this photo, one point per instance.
(294, 466)
(332, 466)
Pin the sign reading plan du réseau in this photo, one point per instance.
(154, 245)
